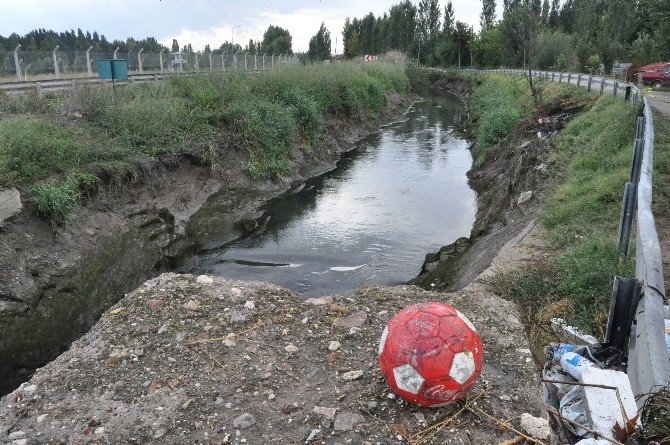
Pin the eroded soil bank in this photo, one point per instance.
(54, 285)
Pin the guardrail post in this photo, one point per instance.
(139, 61)
(627, 94)
(626, 220)
(560, 77)
(116, 53)
(602, 86)
(17, 64)
(160, 60)
(640, 128)
(55, 58)
(636, 165)
(579, 80)
(590, 82)
(553, 76)
(569, 78)
(89, 68)
(615, 88)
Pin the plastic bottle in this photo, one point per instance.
(574, 364)
(562, 348)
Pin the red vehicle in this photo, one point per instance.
(657, 77)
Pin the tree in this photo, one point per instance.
(352, 45)
(175, 46)
(277, 40)
(553, 14)
(320, 45)
(488, 16)
(487, 48)
(428, 27)
(545, 13)
(462, 36)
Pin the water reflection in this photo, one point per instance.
(403, 193)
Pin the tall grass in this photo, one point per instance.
(592, 158)
(93, 130)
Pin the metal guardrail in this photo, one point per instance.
(648, 357)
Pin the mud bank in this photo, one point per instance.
(54, 285)
(512, 184)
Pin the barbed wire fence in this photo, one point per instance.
(23, 66)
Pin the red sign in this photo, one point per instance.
(368, 57)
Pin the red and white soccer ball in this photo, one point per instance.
(430, 354)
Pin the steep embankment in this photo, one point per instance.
(115, 189)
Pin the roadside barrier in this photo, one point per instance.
(638, 312)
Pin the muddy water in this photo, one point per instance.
(402, 193)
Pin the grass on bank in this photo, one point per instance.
(45, 142)
(591, 161)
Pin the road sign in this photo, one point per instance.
(113, 69)
(368, 57)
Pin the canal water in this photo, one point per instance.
(401, 194)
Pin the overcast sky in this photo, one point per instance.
(201, 22)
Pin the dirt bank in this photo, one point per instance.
(511, 185)
(213, 361)
(54, 285)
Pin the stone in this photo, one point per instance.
(250, 305)
(204, 279)
(352, 321)
(328, 413)
(10, 204)
(191, 305)
(320, 301)
(347, 421)
(20, 442)
(314, 434)
(334, 345)
(524, 197)
(352, 375)
(291, 348)
(41, 418)
(537, 427)
(244, 421)
(29, 389)
(155, 304)
(16, 435)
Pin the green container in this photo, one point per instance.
(113, 69)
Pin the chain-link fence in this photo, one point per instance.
(44, 65)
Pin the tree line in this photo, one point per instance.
(582, 34)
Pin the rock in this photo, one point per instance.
(41, 418)
(328, 413)
(16, 435)
(535, 426)
(347, 421)
(352, 375)
(218, 401)
(314, 434)
(320, 301)
(524, 197)
(20, 442)
(10, 204)
(244, 421)
(525, 144)
(250, 305)
(334, 345)
(191, 305)
(204, 279)
(155, 304)
(352, 321)
(291, 348)
(29, 389)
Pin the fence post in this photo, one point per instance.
(627, 94)
(560, 77)
(579, 80)
(246, 66)
(116, 53)
(272, 62)
(553, 76)
(590, 82)
(569, 78)
(264, 61)
(195, 62)
(89, 68)
(223, 61)
(615, 88)
(626, 221)
(235, 60)
(602, 86)
(139, 61)
(55, 58)
(160, 60)
(256, 62)
(17, 64)
(25, 72)
(210, 61)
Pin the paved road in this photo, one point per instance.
(660, 101)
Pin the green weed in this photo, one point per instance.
(55, 202)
